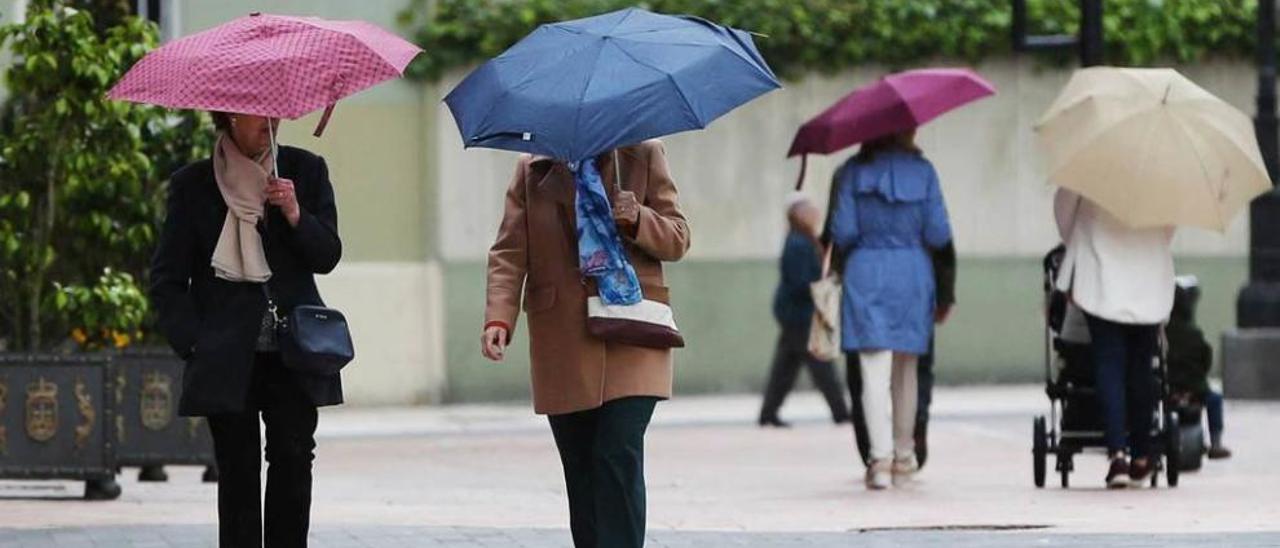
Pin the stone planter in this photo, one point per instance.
(56, 421)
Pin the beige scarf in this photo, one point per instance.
(239, 256)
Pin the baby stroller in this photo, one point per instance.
(1074, 423)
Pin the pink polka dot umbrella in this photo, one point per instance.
(267, 65)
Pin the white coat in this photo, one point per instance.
(1112, 271)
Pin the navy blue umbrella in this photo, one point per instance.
(575, 89)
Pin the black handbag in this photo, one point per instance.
(312, 339)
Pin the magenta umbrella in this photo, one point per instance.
(895, 103)
(267, 65)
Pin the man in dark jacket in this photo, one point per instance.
(944, 275)
(793, 309)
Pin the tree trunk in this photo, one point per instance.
(43, 241)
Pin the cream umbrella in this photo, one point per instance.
(1152, 148)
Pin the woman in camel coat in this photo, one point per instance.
(599, 396)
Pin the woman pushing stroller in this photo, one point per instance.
(1122, 279)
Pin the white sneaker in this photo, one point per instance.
(904, 470)
(879, 475)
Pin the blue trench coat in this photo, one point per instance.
(889, 213)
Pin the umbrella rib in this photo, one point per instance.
(1222, 222)
(624, 18)
(1123, 119)
(506, 90)
(577, 114)
(344, 32)
(694, 45)
(671, 77)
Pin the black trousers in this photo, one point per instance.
(924, 397)
(290, 420)
(793, 351)
(602, 451)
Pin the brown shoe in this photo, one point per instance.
(1218, 452)
(1140, 471)
(1118, 474)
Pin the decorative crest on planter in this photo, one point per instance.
(156, 401)
(84, 402)
(42, 410)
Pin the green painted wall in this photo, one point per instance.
(723, 309)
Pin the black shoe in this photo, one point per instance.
(1118, 474)
(1140, 471)
(922, 446)
(1218, 452)
(775, 422)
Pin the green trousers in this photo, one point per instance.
(602, 451)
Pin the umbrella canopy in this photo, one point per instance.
(575, 89)
(1152, 148)
(267, 65)
(897, 102)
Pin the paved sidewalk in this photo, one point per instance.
(489, 476)
(191, 536)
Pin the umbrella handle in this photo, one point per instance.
(804, 166)
(617, 172)
(275, 151)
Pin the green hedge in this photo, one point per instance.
(830, 35)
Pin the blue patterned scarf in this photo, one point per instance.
(600, 253)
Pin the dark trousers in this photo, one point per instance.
(290, 420)
(1213, 408)
(1122, 359)
(924, 398)
(791, 352)
(602, 451)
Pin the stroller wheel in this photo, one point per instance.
(1039, 450)
(1191, 446)
(1173, 448)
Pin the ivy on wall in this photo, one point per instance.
(832, 35)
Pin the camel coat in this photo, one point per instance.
(535, 255)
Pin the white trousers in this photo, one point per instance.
(889, 402)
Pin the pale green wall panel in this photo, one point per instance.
(995, 334)
(374, 154)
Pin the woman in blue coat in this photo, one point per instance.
(889, 213)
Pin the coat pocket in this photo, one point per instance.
(539, 299)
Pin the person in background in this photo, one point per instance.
(944, 277)
(793, 310)
(889, 213)
(1122, 279)
(1190, 359)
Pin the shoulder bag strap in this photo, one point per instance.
(826, 260)
(272, 307)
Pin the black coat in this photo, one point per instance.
(1189, 355)
(213, 323)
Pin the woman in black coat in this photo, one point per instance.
(233, 235)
